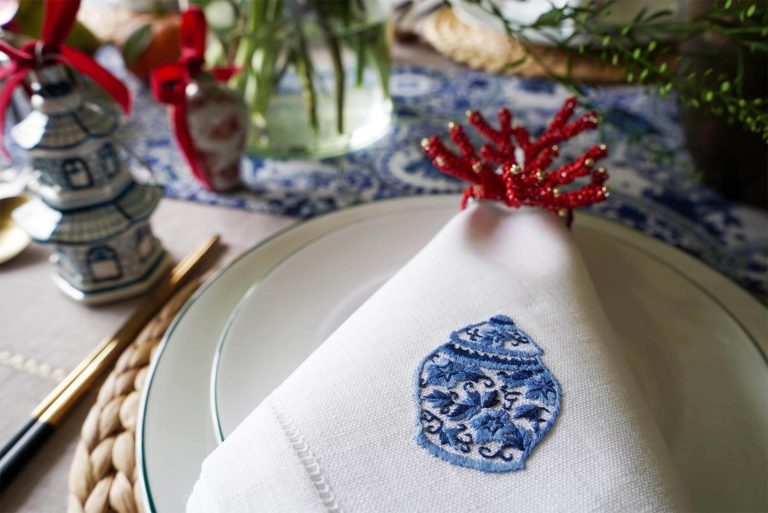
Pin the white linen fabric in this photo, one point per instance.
(340, 433)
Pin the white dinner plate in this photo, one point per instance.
(176, 433)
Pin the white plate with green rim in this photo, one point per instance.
(318, 272)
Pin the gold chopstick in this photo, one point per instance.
(131, 327)
(49, 412)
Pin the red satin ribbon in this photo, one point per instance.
(57, 23)
(169, 83)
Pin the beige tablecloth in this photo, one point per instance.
(43, 334)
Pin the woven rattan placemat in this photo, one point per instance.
(490, 51)
(103, 475)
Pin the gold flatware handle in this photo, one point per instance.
(27, 440)
(133, 325)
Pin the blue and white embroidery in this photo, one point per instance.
(485, 398)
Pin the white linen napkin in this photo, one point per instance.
(369, 423)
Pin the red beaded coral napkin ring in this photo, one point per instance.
(514, 168)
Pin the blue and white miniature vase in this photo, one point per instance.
(485, 398)
(88, 206)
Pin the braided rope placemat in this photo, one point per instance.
(490, 51)
(103, 475)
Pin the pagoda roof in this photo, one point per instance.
(92, 223)
(62, 131)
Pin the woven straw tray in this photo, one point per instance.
(489, 51)
(103, 476)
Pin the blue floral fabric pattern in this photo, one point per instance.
(652, 184)
(485, 399)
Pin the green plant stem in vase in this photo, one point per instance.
(315, 73)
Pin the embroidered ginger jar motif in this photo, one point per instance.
(485, 398)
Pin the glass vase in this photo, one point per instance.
(314, 73)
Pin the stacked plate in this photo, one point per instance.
(696, 341)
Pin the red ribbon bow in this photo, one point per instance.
(57, 23)
(169, 83)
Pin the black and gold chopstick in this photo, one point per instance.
(48, 414)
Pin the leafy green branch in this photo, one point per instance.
(647, 49)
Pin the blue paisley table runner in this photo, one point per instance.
(652, 177)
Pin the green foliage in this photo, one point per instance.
(647, 49)
(266, 37)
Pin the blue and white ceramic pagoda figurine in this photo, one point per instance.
(89, 208)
